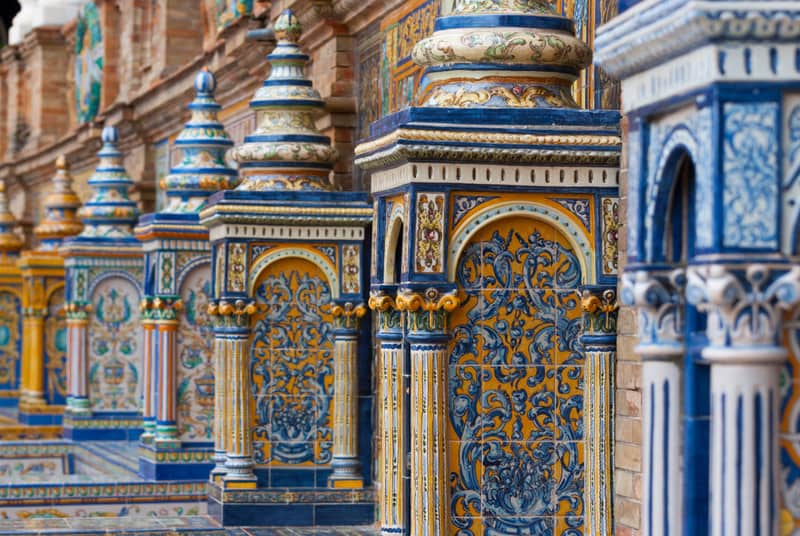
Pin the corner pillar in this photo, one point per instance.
(148, 378)
(345, 463)
(745, 308)
(659, 297)
(599, 340)
(233, 344)
(166, 329)
(392, 461)
(77, 338)
(426, 314)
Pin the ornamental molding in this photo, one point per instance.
(745, 308)
(657, 30)
(659, 297)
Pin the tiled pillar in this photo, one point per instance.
(392, 459)
(32, 391)
(659, 296)
(599, 340)
(426, 314)
(221, 397)
(745, 308)
(233, 334)
(166, 324)
(77, 338)
(148, 378)
(346, 465)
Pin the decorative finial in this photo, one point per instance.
(501, 54)
(286, 152)
(61, 208)
(10, 241)
(287, 27)
(203, 141)
(110, 213)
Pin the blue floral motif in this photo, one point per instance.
(292, 369)
(751, 174)
(579, 207)
(516, 407)
(462, 204)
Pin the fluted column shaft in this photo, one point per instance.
(221, 398)
(599, 340)
(391, 465)
(745, 308)
(428, 340)
(33, 357)
(659, 297)
(166, 419)
(346, 465)
(233, 340)
(148, 378)
(77, 339)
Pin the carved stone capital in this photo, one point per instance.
(659, 298)
(235, 314)
(427, 311)
(389, 315)
(745, 307)
(347, 315)
(600, 308)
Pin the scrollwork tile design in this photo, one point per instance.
(292, 366)
(516, 384)
(751, 175)
(10, 340)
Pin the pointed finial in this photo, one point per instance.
(10, 241)
(287, 27)
(204, 142)
(287, 151)
(61, 208)
(110, 213)
(530, 50)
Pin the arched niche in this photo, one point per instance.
(291, 359)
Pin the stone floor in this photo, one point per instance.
(162, 526)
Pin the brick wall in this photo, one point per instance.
(628, 399)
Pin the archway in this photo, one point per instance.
(516, 381)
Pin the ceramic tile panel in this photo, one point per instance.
(516, 384)
(55, 349)
(10, 340)
(292, 366)
(114, 346)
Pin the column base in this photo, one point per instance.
(43, 413)
(345, 482)
(190, 463)
(102, 426)
(296, 507)
(166, 443)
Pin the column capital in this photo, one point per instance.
(161, 308)
(427, 310)
(232, 314)
(78, 310)
(600, 308)
(659, 296)
(346, 316)
(745, 307)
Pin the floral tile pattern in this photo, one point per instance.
(114, 346)
(292, 366)
(516, 385)
(195, 393)
(10, 340)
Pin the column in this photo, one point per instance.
(426, 314)
(392, 456)
(166, 327)
(234, 334)
(745, 308)
(658, 295)
(78, 381)
(346, 465)
(599, 340)
(33, 312)
(148, 383)
(221, 397)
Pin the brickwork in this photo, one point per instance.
(628, 399)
